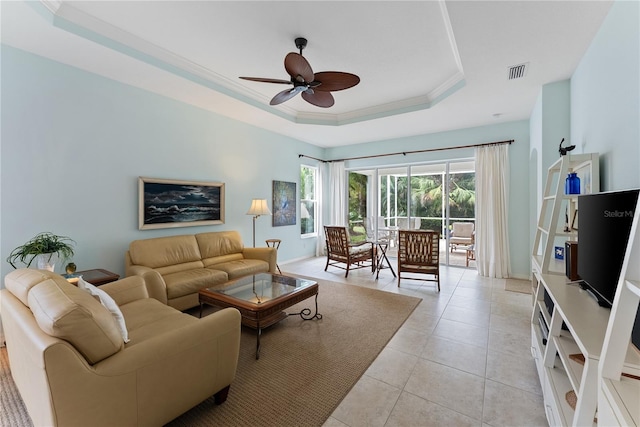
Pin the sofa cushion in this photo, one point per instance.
(242, 267)
(164, 251)
(66, 312)
(148, 318)
(20, 281)
(191, 281)
(219, 243)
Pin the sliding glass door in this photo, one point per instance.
(426, 196)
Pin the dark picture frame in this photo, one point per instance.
(168, 203)
(284, 203)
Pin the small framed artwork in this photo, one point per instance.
(166, 203)
(284, 203)
(574, 220)
(559, 252)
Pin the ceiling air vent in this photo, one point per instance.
(518, 71)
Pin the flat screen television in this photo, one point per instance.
(604, 225)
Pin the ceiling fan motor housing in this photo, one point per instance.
(301, 43)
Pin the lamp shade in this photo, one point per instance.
(259, 207)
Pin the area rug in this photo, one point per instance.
(518, 285)
(306, 367)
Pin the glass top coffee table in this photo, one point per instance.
(261, 299)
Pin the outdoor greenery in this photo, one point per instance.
(426, 195)
(307, 197)
(42, 243)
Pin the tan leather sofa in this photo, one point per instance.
(175, 268)
(72, 368)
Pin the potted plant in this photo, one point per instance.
(45, 247)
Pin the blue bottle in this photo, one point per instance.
(572, 184)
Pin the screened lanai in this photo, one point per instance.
(430, 196)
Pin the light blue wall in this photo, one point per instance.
(605, 98)
(74, 144)
(518, 157)
(548, 125)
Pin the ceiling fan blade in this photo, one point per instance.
(298, 67)
(283, 96)
(319, 99)
(332, 81)
(267, 80)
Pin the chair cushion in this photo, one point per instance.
(360, 249)
(66, 312)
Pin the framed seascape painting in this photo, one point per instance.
(284, 203)
(166, 203)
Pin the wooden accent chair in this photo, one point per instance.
(419, 252)
(341, 251)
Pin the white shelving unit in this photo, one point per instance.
(559, 211)
(601, 336)
(619, 396)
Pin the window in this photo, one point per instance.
(308, 201)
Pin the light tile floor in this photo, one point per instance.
(461, 359)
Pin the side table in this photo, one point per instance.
(471, 253)
(381, 255)
(274, 243)
(97, 276)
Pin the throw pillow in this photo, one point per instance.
(109, 304)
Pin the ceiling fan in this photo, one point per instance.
(315, 88)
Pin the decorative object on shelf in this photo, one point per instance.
(46, 248)
(284, 203)
(564, 150)
(258, 208)
(572, 184)
(71, 268)
(165, 203)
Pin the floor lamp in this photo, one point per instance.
(258, 207)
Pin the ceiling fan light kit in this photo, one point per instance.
(315, 88)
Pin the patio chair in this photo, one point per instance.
(406, 224)
(418, 253)
(383, 233)
(463, 234)
(341, 251)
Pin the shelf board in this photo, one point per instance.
(617, 393)
(586, 320)
(560, 385)
(567, 346)
(545, 312)
(555, 266)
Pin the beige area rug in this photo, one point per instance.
(305, 369)
(518, 285)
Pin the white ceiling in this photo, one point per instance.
(425, 66)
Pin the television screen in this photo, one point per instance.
(603, 232)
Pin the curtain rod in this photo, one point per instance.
(404, 153)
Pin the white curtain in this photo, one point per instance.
(320, 243)
(337, 187)
(492, 201)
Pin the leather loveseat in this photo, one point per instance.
(72, 367)
(175, 268)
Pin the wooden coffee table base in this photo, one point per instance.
(260, 316)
